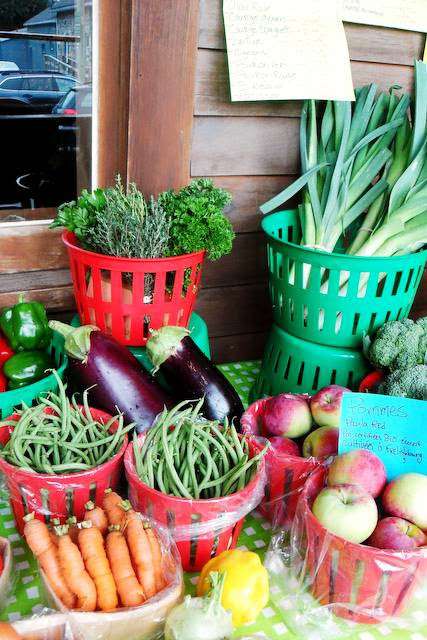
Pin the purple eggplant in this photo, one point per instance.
(191, 375)
(113, 374)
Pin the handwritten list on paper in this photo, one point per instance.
(400, 14)
(393, 428)
(282, 51)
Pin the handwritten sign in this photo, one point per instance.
(401, 14)
(287, 50)
(393, 428)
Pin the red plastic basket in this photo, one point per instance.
(59, 496)
(286, 474)
(364, 584)
(127, 297)
(183, 516)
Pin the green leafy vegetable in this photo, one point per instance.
(120, 222)
(197, 219)
(364, 173)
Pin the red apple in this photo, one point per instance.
(346, 511)
(325, 405)
(397, 534)
(321, 442)
(359, 467)
(406, 497)
(287, 415)
(284, 446)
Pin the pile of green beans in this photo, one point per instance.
(186, 456)
(68, 440)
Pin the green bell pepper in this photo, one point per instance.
(25, 326)
(26, 367)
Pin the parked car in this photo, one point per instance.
(77, 101)
(33, 91)
(8, 65)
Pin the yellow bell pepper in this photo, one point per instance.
(246, 590)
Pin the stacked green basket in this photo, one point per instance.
(323, 305)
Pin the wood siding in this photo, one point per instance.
(178, 122)
(251, 148)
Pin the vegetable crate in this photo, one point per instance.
(362, 583)
(334, 299)
(297, 366)
(286, 474)
(128, 297)
(59, 496)
(201, 529)
(10, 400)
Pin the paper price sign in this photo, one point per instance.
(395, 429)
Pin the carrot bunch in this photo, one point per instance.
(113, 558)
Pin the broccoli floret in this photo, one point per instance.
(409, 383)
(399, 344)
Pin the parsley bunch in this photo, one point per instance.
(197, 219)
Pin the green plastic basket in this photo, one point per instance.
(292, 365)
(331, 298)
(198, 330)
(9, 400)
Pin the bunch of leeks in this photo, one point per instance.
(364, 173)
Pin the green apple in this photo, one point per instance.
(347, 511)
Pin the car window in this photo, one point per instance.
(85, 100)
(11, 84)
(64, 84)
(39, 83)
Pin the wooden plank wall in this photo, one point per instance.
(252, 150)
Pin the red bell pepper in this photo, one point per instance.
(6, 351)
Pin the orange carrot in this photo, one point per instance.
(7, 632)
(140, 550)
(97, 516)
(130, 591)
(74, 572)
(91, 544)
(73, 530)
(156, 554)
(111, 507)
(40, 542)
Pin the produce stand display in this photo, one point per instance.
(27, 597)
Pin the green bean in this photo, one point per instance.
(171, 468)
(188, 456)
(190, 461)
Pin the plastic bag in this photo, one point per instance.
(326, 586)
(201, 528)
(6, 574)
(45, 625)
(286, 474)
(145, 622)
(58, 496)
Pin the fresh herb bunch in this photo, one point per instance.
(197, 219)
(119, 222)
(80, 216)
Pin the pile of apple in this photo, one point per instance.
(358, 505)
(288, 416)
